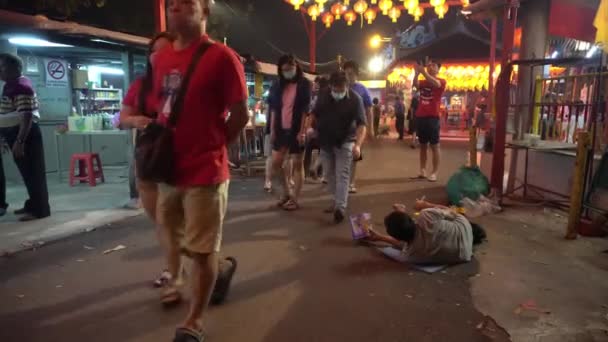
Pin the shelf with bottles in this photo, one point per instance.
(95, 121)
(99, 94)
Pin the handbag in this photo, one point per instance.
(154, 154)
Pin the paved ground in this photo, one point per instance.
(74, 210)
(302, 279)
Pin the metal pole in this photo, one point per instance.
(312, 39)
(498, 160)
(492, 64)
(160, 17)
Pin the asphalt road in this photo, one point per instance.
(300, 278)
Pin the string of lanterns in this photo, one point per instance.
(459, 77)
(368, 10)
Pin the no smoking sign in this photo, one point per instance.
(56, 69)
(56, 73)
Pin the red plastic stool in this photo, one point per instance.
(86, 171)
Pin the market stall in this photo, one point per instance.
(467, 85)
(80, 74)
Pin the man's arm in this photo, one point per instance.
(25, 126)
(360, 137)
(435, 82)
(416, 82)
(370, 121)
(379, 237)
(361, 124)
(27, 105)
(239, 116)
(422, 204)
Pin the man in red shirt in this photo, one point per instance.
(427, 115)
(193, 209)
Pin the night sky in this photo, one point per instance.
(276, 22)
(263, 28)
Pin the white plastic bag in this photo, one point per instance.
(483, 206)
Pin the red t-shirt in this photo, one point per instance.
(132, 98)
(200, 134)
(430, 98)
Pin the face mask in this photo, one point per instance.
(289, 75)
(338, 96)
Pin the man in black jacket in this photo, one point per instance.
(341, 123)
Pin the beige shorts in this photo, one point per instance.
(193, 216)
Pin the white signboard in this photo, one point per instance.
(56, 71)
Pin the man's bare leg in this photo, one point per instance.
(204, 274)
(436, 159)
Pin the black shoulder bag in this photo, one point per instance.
(154, 159)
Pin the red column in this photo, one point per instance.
(502, 100)
(160, 17)
(492, 64)
(312, 39)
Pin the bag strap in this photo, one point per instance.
(181, 93)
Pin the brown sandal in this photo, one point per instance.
(281, 203)
(291, 205)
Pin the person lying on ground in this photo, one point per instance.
(439, 235)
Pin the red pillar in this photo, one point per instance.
(312, 41)
(502, 100)
(160, 16)
(492, 64)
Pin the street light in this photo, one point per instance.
(376, 64)
(377, 40)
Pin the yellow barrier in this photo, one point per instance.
(472, 147)
(538, 95)
(578, 180)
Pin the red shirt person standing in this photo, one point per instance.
(192, 210)
(428, 114)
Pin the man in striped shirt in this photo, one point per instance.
(20, 131)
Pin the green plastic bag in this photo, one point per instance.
(467, 182)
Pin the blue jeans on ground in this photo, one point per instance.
(337, 162)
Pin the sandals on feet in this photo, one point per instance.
(188, 335)
(291, 205)
(163, 280)
(224, 279)
(282, 201)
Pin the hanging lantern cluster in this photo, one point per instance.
(394, 13)
(370, 15)
(314, 11)
(459, 77)
(368, 10)
(350, 17)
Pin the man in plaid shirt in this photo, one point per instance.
(20, 131)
